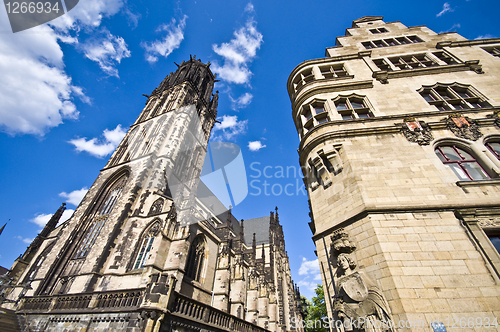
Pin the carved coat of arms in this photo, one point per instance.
(463, 126)
(417, 132)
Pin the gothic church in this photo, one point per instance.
(143, 253)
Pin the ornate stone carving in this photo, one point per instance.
(490, 222)
(322, 165)
(154, 230)
(463, 126)
(475, 66)
(157, 207)
(416, 131)
(496, 117)
(381, 76)
(358, 303)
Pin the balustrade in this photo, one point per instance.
(115, 299)
(206, 314)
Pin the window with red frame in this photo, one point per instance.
(462, 163)
(494, 147)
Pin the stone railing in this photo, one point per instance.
(92, 301)
(184, 307)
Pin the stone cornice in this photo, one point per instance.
(467, 42)
(478, 183)
(382, 74)
(322, 61)
(345, 86)
(451, 206)
(394, 127)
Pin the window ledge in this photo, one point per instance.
(478, 183)
(383, 75)
(323, 80)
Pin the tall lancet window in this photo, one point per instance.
(196, 258)
(100, 214)
(146, 245)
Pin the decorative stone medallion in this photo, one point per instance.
(417, 132)
(463, 126)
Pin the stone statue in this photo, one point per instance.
(358, 303)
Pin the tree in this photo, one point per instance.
(317, 316)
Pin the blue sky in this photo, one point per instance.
(70, 89)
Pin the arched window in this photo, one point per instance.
(99, 215)
(123, 147)
(196, 258)
(304, 77)
(146, 245)
(37, 264)
(494, 147)
(314, 114)
(353, 107)
(454, 96)
(156, 207)
(462, 163)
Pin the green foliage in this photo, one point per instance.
(316, 312)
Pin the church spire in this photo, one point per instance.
(1, 229)
(254, 245)
(242, 235)
(49, 227)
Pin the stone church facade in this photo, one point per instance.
(399, 133)
(131, 259)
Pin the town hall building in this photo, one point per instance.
(399, 133)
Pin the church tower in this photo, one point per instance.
(150, 248)
(399, 133)
(142, 200)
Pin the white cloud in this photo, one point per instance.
(166, 45)
(133, 18)
(103, 147)
(107, 51)
(486, 36)
(453, 27)
(446, 8)
(310, 286)
(312, 277)
(87, 15)
(74, 197)
(31, 64)
(242, 101)
(309, 267)
(66, 215)
(228, 128)
(42, 219)
(255, 146)
(238, 53)
(25, 240)
(249, 8)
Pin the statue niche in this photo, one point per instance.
(358, 303)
